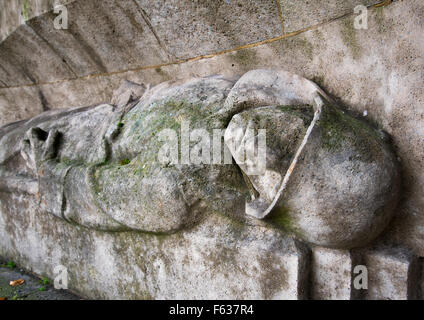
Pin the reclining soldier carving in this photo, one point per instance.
(330, 179)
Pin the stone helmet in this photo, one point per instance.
(330, 178)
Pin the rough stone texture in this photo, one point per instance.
(376, 70)
(14, 13)
(393, 273)
(331, 272)
(128, 92)
(242, 263)
(218, 25)
(99, 168)
(301, 14)
(83, 48)
(342, 191)
(345, 186)
(132, 34)
(285, 126)
(33, 68)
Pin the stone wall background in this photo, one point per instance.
(16, 12)
(378, 70)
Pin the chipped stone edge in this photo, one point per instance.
(319, 103)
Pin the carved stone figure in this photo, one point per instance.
(330, 179)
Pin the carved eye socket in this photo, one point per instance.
(40, 134)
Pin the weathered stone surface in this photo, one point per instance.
(15, 111)
(345, 185)
(285, 126)
(337, 196)
(331, 274)
(393, 274)
(218, 25)
(125, 39)
(286, 119)
(104, 162)
(126, 93)
(14, 13)
(99, 168)
(374, 70)
(218, 259)
(83, 48)
(132, 34)
(302, 14)
(14, 51)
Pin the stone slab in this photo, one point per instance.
(14, 13)
(393, 274)
(331, 274)
(376, 71)
(191, 28)
(217, 259)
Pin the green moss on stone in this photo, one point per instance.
(307, 48)
(124, 162)
(280, 217)
(333, 130)
(298, 46)
(341, 131)
(319, 80)
(304, 112)
(25, 10)
(245, 58)
(383, 23)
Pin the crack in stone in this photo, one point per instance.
(201, 57)
(280, 13)
(149, 24)
(290, 170)
(54, 51)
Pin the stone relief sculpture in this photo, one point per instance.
(330, 179)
